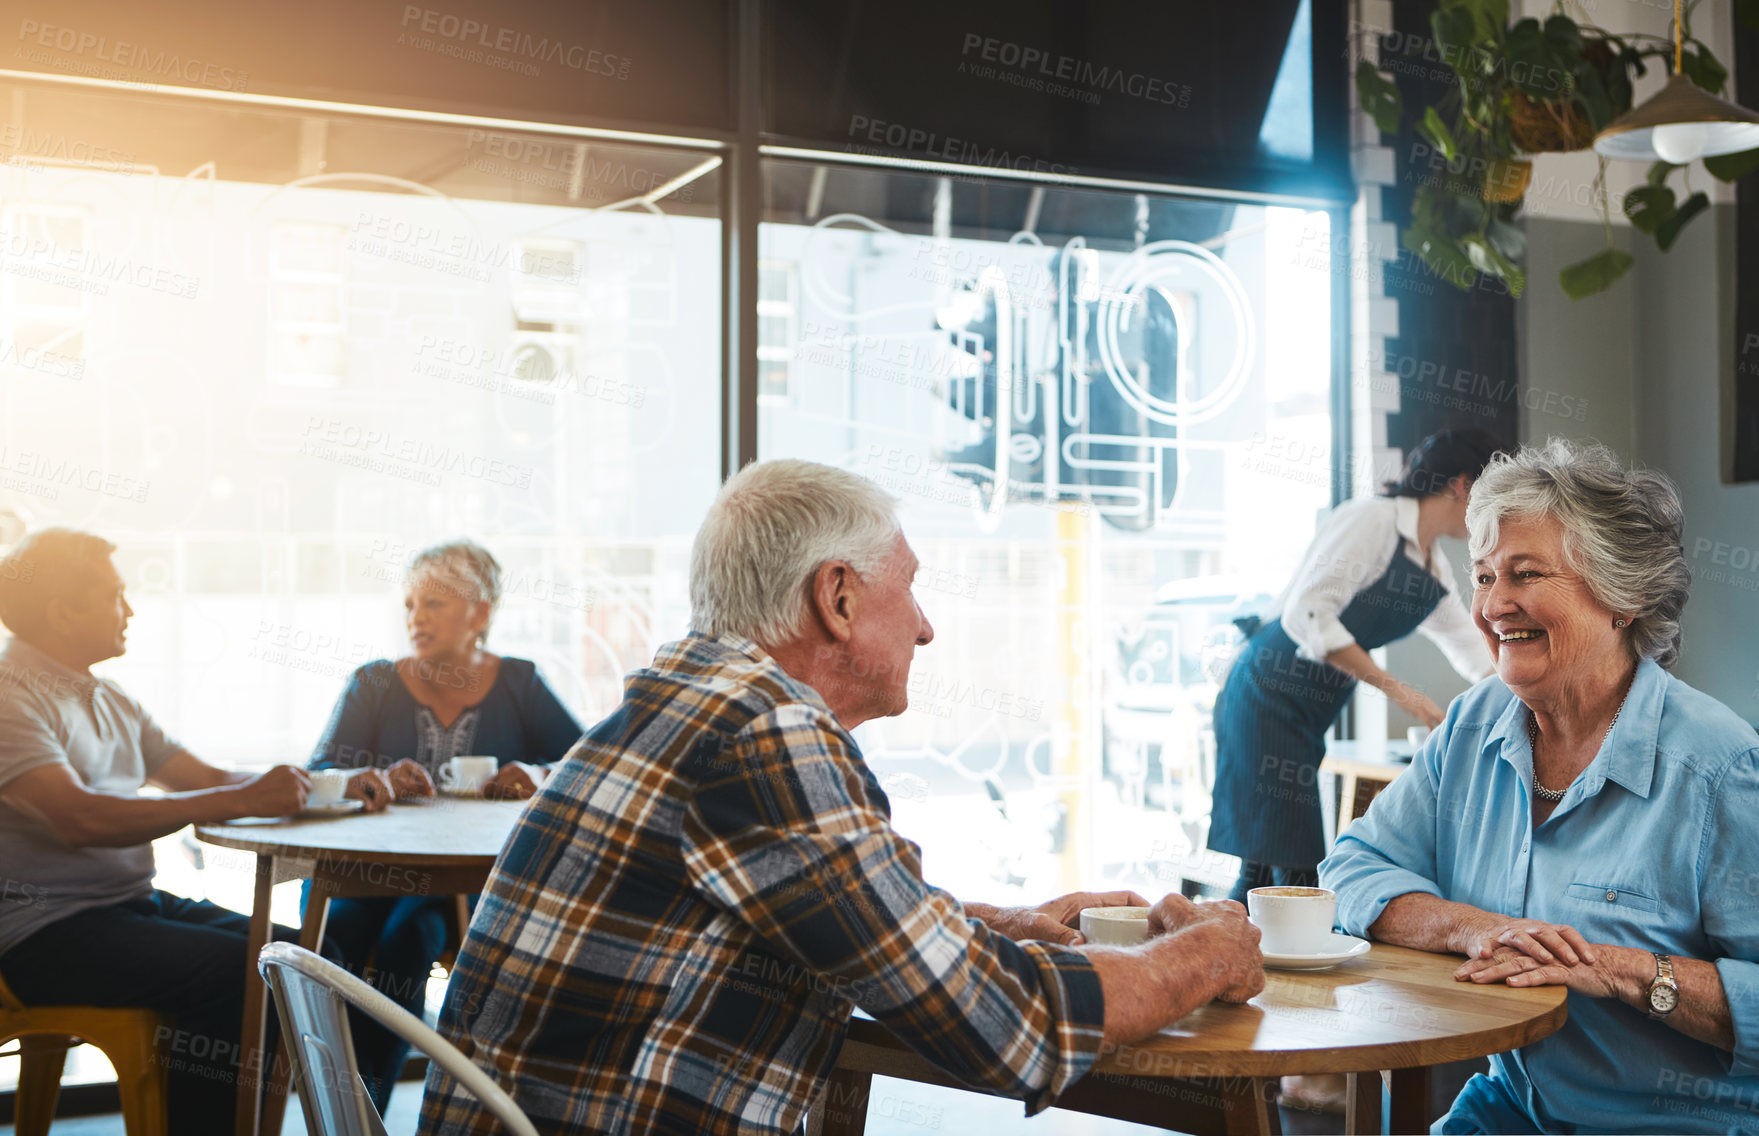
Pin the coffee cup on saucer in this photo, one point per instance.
(467, 774)
(1115, 926)
(1293, 920)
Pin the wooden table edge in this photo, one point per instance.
(1354, 1059)
(222, 836)
(872, 1039)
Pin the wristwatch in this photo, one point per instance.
(1664, 992)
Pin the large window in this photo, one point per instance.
(271, 355)
(1107, 420)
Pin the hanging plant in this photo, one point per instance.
(1523, 89)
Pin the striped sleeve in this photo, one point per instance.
(783, 834)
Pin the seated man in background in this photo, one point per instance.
(685, 915)
(84, 924)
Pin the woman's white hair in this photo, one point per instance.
(771, 528)
(1622, 531)
(463, 567)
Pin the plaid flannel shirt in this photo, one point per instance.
(681, 921)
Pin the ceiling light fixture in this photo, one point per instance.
(1682, 123)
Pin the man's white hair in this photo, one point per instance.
(771, 528)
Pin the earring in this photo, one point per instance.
(1619, 624)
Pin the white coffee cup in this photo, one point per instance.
(1417, 735)
(1115, 926)
(327, 787)
(1292, 920)
(467, 774)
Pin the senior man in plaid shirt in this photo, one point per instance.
(685, 915)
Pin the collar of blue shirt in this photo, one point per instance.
(1629, 754)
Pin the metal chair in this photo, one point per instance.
(312, 997)
(45, 1034)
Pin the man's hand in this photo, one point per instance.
(514, 781)
(1056, 921)
(279, 792)
(1220, 932)
(1544, 943)
(410, 780)
(372, 787)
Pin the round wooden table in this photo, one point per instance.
(1392, 1009)
(438, 846)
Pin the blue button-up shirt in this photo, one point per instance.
(1656, 845)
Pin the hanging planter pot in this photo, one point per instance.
(1545, 126)
(1525, 88)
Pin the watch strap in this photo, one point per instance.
(1663, 977)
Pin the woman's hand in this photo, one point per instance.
(514, 781)
(1609, 977)
(1542, 943)
(372, 787)
(410, 780)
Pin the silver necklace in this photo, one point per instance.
(1541, 791)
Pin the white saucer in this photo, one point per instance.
(461, 794)
(1343, 949)
(340, 808)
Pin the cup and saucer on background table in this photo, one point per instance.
(326, 797)
(1295, 928)
(466, 776)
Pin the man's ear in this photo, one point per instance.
(833, 598)
(58, 616)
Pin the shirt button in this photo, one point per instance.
(1612, 897)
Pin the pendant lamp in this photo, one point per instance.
(1682, 123)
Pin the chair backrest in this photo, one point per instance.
(312, 996)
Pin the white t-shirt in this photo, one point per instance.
(50, 714)
(1348, 554)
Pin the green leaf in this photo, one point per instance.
(1434, 129)
(1733, 167)
(1489, 18)
(1564, 35)
(1487, 260)
(1442, 254)
(1648, 206)
(1596, 274)
(1455, 31)
(1507, 239)
(1659, 171)
(1705, 70)
(1533, 63)
(1669, 229)
(1379, 96)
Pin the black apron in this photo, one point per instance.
(1272, 715)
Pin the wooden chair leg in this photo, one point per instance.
(41, 1060)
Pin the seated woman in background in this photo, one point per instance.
(1583, 818)
(398, 723)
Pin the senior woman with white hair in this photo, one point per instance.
(398, 723)
(1581, 818)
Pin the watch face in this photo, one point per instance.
(1663, 998)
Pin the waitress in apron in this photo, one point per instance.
(1372, 575)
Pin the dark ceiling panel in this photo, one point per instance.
(660, 63)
